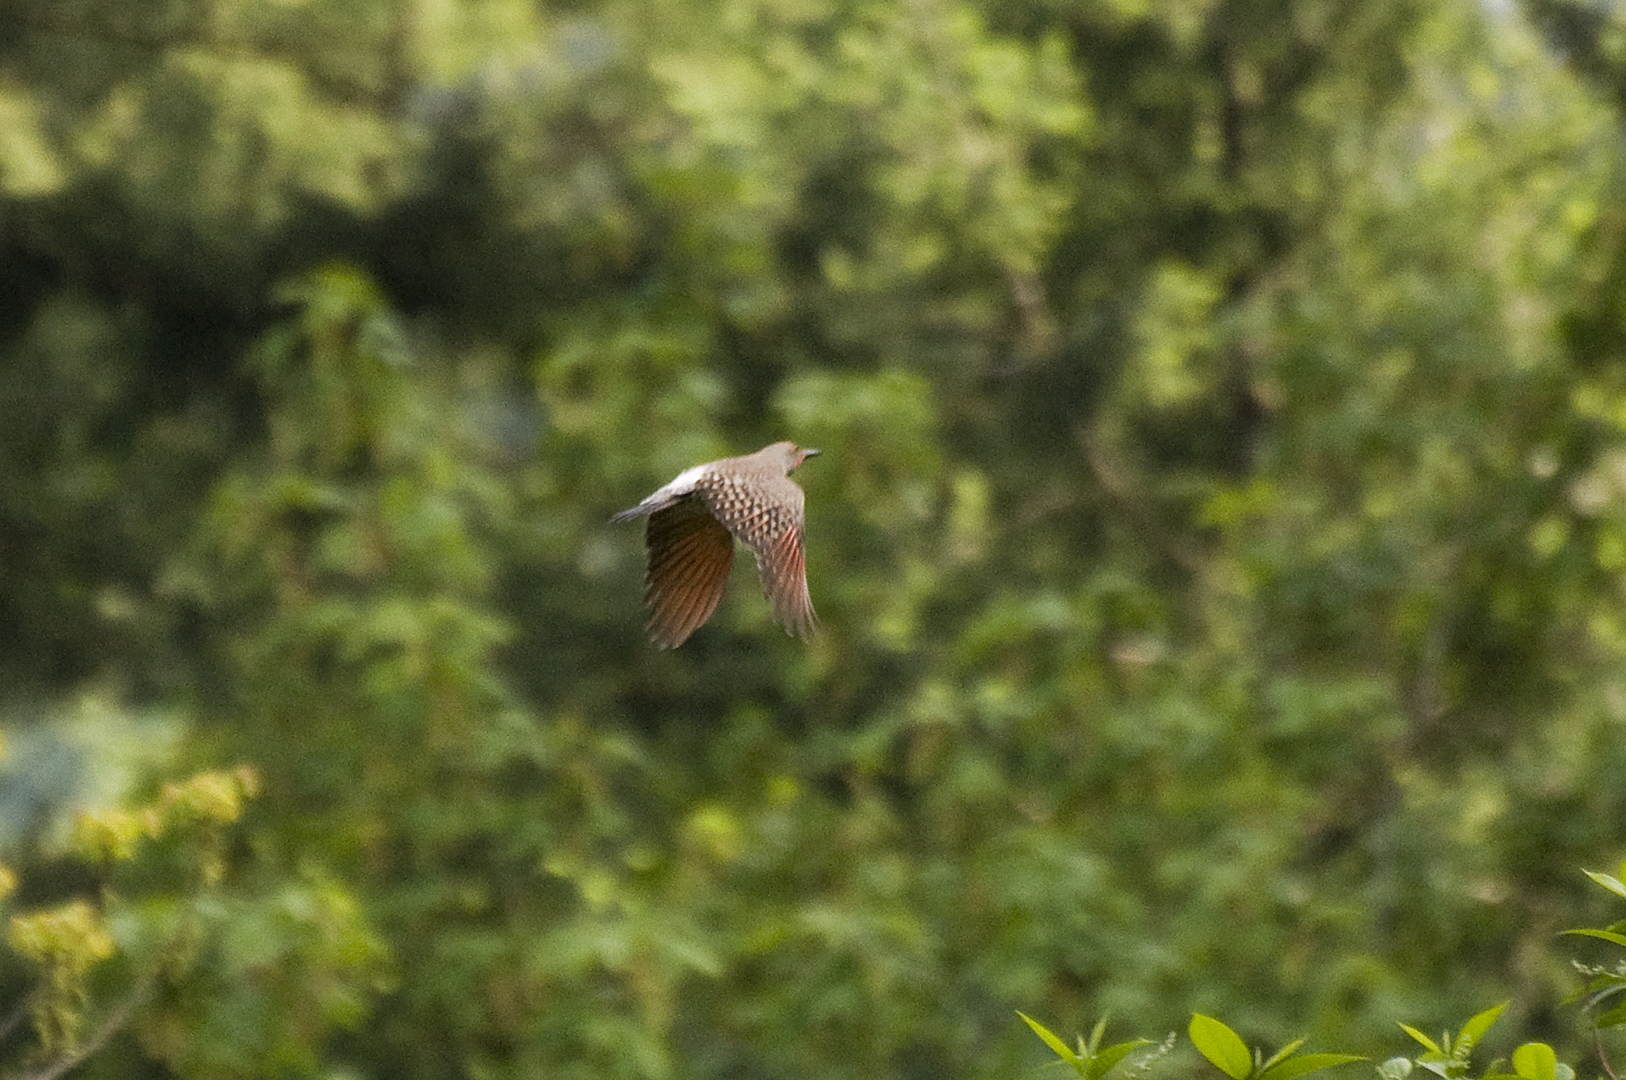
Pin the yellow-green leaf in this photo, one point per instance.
(1222, 1046)
(1535, 1061)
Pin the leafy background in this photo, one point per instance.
(1218, 541)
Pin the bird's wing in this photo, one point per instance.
(690, 553)
(768, 520)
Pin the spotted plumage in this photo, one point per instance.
(693, 522)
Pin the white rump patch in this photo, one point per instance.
(683, 483)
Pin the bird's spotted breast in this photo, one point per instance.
(753, 514)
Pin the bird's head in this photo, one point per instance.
(791, 454)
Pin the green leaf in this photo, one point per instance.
(1222, 1046)
(1606, 935)
(1474, 1028)
(1306, 1063)
(1535, 1061)
(1612, 1017)
(1420, 1037)
(1102, 1063)
(1279, 1055)
(1396, 1068)
(1613, 884)
(1063, 1051)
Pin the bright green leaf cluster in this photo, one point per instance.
(1090, 1060)
(1225, 1049)
(1449, 1057)
(1604, 992)
(202, 803)
(66, 943)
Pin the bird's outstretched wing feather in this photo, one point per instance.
(784, 582)
(690, 555)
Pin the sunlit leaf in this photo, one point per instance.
(1476, 1027)
(1613, 884)
(1420, 1037)
(1535, 1061)
(1221, 1046)
(1604, 935)
(1063, 1051)
(1307, 1063)
(1105, 1060)
(1285, 1052)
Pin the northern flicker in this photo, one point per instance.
(693, 522)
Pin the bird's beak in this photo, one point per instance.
(807, 453)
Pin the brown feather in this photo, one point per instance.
(690, 554)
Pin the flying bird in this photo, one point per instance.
(693, 522)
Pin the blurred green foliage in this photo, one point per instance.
(1218, 542)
